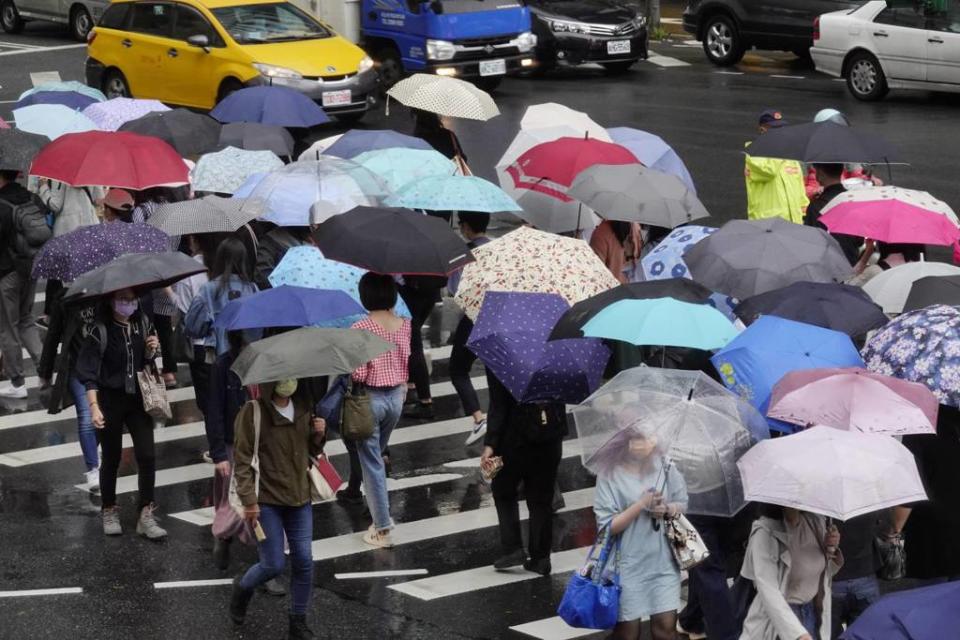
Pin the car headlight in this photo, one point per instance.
(273, 71)
(525, 42)
(365, 64)
(566, 26)
(440, 50)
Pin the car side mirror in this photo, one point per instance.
(200, 41)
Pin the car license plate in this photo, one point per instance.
(337, 98)
(493, 67)
(615, 47)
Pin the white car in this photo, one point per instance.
(891, 44)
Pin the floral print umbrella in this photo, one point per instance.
(225, 171)
(921, 346)
(110, 115)
(71, 255)
(536, 262)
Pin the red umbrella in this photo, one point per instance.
(550, 167)
(111, 159)
(3, 124)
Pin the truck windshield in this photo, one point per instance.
(261, 23)
(474, 6)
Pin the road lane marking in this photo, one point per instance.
(38, 78)
(42, 49)
(181, 584)
(395, 573)
(777, 75)
(666, 61)
(729, 73)
(551, 629)
(40, 592)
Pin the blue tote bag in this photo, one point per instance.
(592, 598)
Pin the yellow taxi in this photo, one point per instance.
(195, 52)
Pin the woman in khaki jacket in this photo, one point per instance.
(275, 492)
(791, 558)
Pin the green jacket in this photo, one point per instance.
(775, 188)
(285, 450)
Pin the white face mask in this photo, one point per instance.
(285, 388)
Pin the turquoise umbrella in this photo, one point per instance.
(52, 120)
(453, 193)
(71, 85)
(399, 166)
(663, 322)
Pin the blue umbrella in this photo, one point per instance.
(928, 613)
(772, 347)
(453, 193)
(52, 120)
(510, 337)
(270, 105)
(653, 152)
(72, 99)
(69, 256)
(663, 322)
(287, 306)
(399, 167)
(357, 141)
(69, 85)
(306, 267)
(288, 206)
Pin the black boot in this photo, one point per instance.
(221, 553)
(299, 629)
(239, 601)
(538, 565)
(509, 560)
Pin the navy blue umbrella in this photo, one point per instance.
(270, 105)
(357, 141)
(70, 99)
(287, 306)
(929, 613)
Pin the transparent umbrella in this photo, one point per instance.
(700, 425)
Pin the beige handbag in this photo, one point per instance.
(688, 547)
(154, 391)
(232, 496)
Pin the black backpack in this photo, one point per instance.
(31, 228)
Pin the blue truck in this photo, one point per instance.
(477, 40)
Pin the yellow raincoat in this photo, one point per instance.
(775, 188)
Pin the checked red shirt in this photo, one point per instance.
(389, 369)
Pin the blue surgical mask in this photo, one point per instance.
(125, 308)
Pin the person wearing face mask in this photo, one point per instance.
(119, 344)
(276, 495)
(638, 486)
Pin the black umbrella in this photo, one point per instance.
(253, 136)
(572, 321)
(824, 142)
(387, 240)
(140, 271)
(840, 307)
(17, 149)
(933, 290)
(190, 133)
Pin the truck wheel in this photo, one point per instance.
(391, 69)
(865, 77)
(80, 23)
(10, 18)
(722, 42)
(618, 68)
(489, 84)
(115, 85)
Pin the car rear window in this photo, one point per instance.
(151, 18)
(275, 22)
(115, 17)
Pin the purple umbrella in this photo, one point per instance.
(510, 338)
(114, 113)
(73, 254)
(279, 106)
(72, 99)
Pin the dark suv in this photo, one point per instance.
(728, 28)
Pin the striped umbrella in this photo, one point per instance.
(212, 214)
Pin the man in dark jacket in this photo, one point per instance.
(18, 328)
(273, 246)
(830, 177)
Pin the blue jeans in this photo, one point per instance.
(807, 615)
(86, 433)
(297, 523)
(387, 404)
(851, 598)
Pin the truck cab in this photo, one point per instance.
(478, 40)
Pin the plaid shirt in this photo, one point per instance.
(389, 369)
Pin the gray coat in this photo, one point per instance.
(767, 564)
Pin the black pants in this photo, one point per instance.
(52, 292)
(536, 466)
(356, 471)
(120, 409)
(164, 326)
(200, 373)
(461, 361)
(421, 303)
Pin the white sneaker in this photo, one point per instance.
(479, 430)
(10, 391)
(375, 538)
(93, 480)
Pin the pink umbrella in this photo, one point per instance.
(839, 474)
(854, 400)
(3, 124)
(890, 214)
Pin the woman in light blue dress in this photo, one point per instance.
(636, 488)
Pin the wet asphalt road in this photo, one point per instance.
(50, 535)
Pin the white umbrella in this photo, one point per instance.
(839, 474)
(552, 114)
(314, 151)
(891, 288)
(444, 96)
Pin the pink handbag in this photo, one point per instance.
(324, 480)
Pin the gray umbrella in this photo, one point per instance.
(748, 257)
(134, 271)
(17, 149)
(634, 193)
(254, 136)
(211, 214)
(308, 352)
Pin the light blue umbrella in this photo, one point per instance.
(453, 193)
(662, 322)
(225, 171)
(399, 167)
(357, 141)
(288, 206)
(306, 267)
(653, 152)
(71, 85)
(114, 113)
(52, 120)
